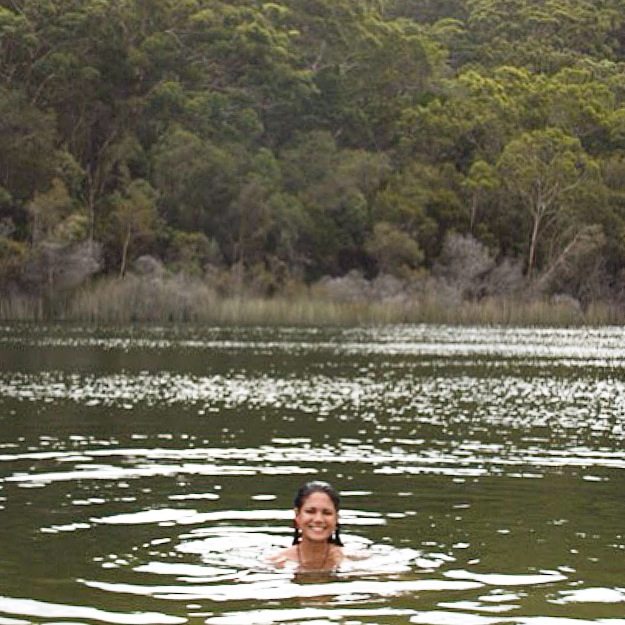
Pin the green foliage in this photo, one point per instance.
(394, 250)
(547, 170)
(480, 181)
(48, 211)
(423, 202)
(294, 138)
(336, 189)
(133, 218)
(544, 35)
(27, 149)
(12, 257)
(190, 252)
(196, 180)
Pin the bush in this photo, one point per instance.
(394, 250)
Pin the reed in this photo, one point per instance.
(604, 313)
(17, 307)
(180, 300)
(135, 299)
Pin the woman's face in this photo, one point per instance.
(317, 518)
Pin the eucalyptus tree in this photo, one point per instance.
(366, 66)
(336, 189)
(28, 153)
(394, 250)
(133, 218)
(545, 170)
(423, 201)
(429, 11)
(480, 180)
(473, 116)
(544, 35)
(196, 179)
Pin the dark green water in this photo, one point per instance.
(145, 474)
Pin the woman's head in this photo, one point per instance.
(316, 513)
(316, 487)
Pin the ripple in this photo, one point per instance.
(190, 517)
(42, 609)
(562, 405)
(299, 615)
(497, 579)
(271, 590)
(462, 460)
(592, 595)
(465, 618)
(595, 347)
(468, 446)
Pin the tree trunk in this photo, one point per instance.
(122, 268)
(532, 252)
(473, 212)
(91, 193)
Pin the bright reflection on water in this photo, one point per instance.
(145, 475)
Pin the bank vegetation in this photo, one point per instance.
(313, 161)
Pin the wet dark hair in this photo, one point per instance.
(317, 487)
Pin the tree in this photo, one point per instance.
(133, 217)
(422, 201)
(464, 263)
(196, 179)
(543, 169)
(13, 255)
(473, 117)
(48, 209)
(394, 251)
(336, 189)
(580, 105)
(365, 66)
(190, 252)
(61, 255)
(481, 179)
(427, 10)
(28, 147)
(575, 262)
(543, 35)
(55, 265)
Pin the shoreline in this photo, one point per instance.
(128, 301)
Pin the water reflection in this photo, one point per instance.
(576, 346)
(45, 610)
(282, 589)
(461, 459)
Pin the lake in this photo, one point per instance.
(146, 473)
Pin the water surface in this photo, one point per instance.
(145, 474)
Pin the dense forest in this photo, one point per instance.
(252, 144)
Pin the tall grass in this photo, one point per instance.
(16, 307)
(135, 299)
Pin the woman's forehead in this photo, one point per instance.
(319, 498)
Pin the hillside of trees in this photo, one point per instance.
(477, 142)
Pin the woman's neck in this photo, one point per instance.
(313, 554)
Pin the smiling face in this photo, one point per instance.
(317, 517)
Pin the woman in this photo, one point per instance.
(316, 544)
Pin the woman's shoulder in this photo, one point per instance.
(290, 555)
(336, 555)
(283, 556)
